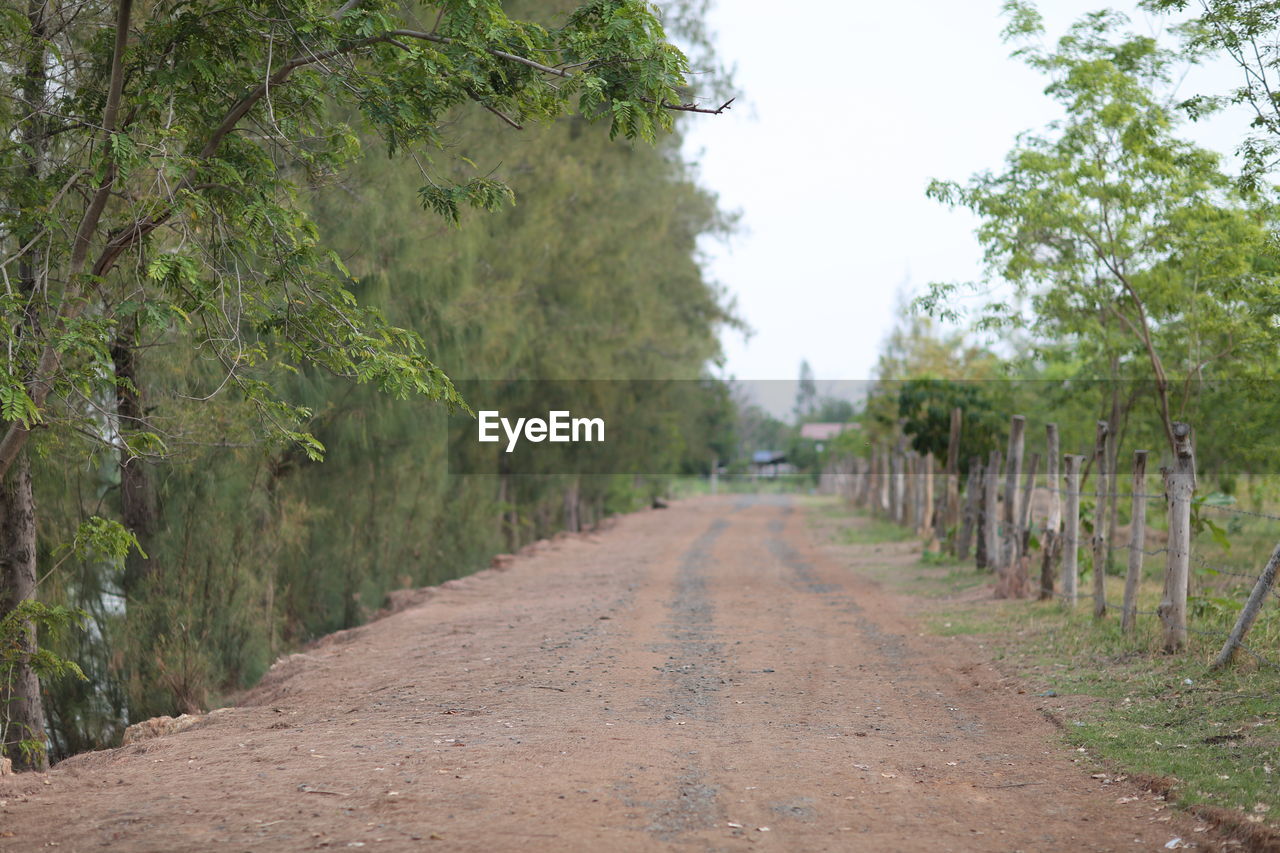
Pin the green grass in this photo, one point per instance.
(1137, 710)
(874, 531)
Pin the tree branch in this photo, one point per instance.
(694, 108)
(16, 435)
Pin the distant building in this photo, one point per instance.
(769, 463)
(824, 431)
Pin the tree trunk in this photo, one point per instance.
(902, 450)
(1013, 470)
(926, 498)
(137, 495)
(911, 490)
(950, 516)
(964, 535)
(504, 497)
(571, 521)
(1113, 471)
(990, 510)
(880, 488)
(21, 705)
(1180, 486)
(1266, 582)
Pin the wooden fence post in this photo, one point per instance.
(884, 498)
(1100, 521)
(980, 523)
(1137, 541)
(1052, 542)
(869, 487)
(1266, 581)
(950, 517)
(990, 522)
(909, 489)
(895, 485)
(899, 466)
(1180, 486)
(1071, 532)
(872, 501)
(974, 487)
(926, 498)
(1021, 575)
(1013, 470)
(917, 494)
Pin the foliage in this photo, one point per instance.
(1243, 30)
(1125, 243)
(158, 181)
(53, 622)
(593, 275)
(925, 406)
(101, 540)
(211, 283)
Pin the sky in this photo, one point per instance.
(846, 110)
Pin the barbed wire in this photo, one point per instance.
(1161, 496)
(1129, 547)
(1217, 570)
(1251, 578)
(1201, 563)
(1087, 493)
(1222, 635)
(1231, 510)
(1084, 540)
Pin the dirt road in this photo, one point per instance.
(704, 677)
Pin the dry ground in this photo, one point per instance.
(703, 677)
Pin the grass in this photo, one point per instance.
(1215, 737)
(739, 484)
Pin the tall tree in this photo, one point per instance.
(593, 274)
(806, 391)
(156, 164)
(1245, 31)
(1115, 233)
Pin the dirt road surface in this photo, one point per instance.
(705, 677)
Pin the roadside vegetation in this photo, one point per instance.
(214, 280)
(1211, 740)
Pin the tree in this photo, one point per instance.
(1115, 234)
(806, 392)
(1245, 31)
(925, 406)
(918, 353)
(154, 181)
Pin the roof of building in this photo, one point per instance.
(823, 431)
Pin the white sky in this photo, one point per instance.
(848, 109)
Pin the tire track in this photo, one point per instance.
(694, 674)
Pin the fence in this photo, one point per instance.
(994, 520)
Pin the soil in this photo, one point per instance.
(702, 677)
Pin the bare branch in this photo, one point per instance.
(694, 108)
